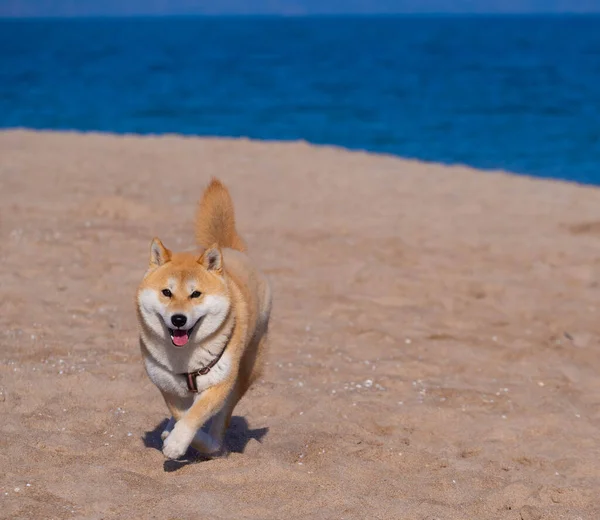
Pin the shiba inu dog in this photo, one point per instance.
(203, 324)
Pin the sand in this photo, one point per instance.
(434, 346)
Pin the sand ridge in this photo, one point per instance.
(434, 345)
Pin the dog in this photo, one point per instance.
(203, 320)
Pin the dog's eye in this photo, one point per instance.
(195, 294)
(167, 293)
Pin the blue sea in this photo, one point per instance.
(517, 93)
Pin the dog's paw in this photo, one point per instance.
(168, 429)
(174, 447)
(205, 443)
(177, 442)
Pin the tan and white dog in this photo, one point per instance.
(203, 323)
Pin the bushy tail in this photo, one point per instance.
(215, 219)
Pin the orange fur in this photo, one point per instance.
(215, 219)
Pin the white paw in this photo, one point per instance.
(177, 442)
(168, 429)
(205, 443)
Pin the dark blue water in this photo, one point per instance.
(521, 94)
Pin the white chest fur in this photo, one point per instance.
(176, 383)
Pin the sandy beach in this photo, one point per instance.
(434, 343)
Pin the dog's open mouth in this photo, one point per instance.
(181, 337)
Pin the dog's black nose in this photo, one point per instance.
(178, 320)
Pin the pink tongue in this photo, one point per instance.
(180, 338)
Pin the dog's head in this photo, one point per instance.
(183, 298)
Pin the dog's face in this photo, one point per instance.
(183, 298)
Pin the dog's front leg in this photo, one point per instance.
(177, 406)
(168, 428)
(187, 428)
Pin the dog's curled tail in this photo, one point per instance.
(215, 219)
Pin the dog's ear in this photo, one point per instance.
(159, 254)
(212, 259)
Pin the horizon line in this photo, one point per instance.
(440, 14)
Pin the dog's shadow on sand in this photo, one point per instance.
(238, 435)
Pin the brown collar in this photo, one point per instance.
(191, 376)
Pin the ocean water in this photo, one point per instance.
(521, 94)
